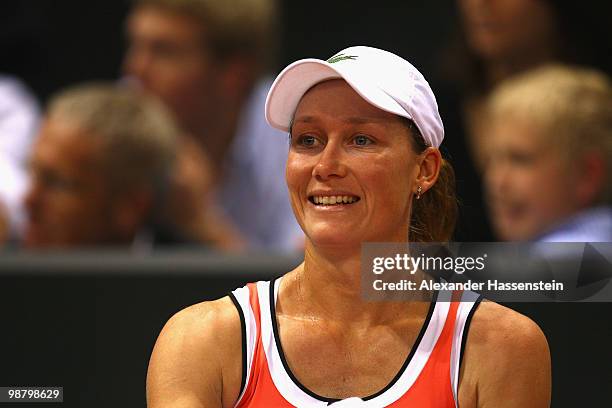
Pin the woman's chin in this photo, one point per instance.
(333, 239)
(340, 235)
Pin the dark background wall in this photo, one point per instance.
(88, 323)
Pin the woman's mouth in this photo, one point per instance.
(328, 200)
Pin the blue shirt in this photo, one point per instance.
(591, 225)
(254, 193)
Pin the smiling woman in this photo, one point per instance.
(343, 146)
(365, 132)
(379, 147)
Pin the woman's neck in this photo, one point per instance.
(328, 284)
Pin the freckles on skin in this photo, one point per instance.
(375, 176)
(381, 173)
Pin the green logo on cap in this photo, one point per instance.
(341, 57)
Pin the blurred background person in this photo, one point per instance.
(502, 38)
(495, 40)
(548, 170)
(19, 117)
(205, 59)
(98, 170)
(4, 227)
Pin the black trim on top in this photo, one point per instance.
(466, 329)
(244, 342)
(415, 346)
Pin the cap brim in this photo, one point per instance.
(295, 80)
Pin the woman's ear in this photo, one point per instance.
(430, 162)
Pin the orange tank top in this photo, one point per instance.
(428, 378)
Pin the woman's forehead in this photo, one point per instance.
(336, 98)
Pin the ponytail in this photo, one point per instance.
(434, 215)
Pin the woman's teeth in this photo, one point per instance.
(332, 200)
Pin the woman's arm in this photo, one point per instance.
(196, 361)
(506, 362)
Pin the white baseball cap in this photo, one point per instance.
(382, 78)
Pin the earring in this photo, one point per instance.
(418, 192)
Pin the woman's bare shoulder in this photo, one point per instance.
(507, 360)
(197, 357)
(494, 325)
(206, 319)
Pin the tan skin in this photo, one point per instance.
(327, 331)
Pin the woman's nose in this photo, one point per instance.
(331, 162)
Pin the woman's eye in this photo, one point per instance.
(362, 140)
(307, 141)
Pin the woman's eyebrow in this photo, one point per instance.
(305, 119)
